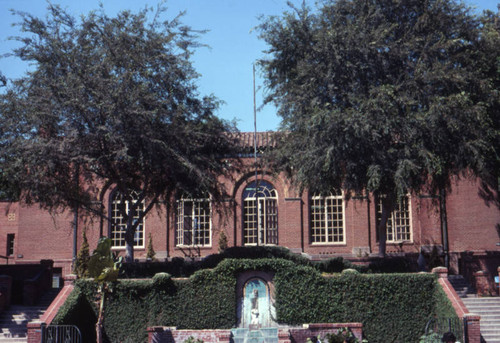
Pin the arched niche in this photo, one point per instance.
(256, 300)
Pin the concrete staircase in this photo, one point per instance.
(489, 310)
(461, 286)
(487, 307)
(13, 320)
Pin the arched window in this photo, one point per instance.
(261, 228)
(193, 222)
(327, 219)
(120, 209)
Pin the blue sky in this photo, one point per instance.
(225, 67)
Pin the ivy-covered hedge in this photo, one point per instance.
(392, 308)
(180, 267)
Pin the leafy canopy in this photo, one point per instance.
(109, 102)
(385, 96)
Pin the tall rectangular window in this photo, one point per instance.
(327, 219)
(193, 222)
(10, 244)
(120, 208)
(399, 221)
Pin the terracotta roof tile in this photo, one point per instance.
(264, 139)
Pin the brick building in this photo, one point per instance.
(305, 223)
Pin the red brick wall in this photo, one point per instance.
(472, 225)
(9, 216)
(295, 335)
(299, 335)
(171, 335)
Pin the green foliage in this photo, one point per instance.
(150, 252)
(380, 86)
(443, 307)
(343, 335)
(392, 265)
(82, 258)
(103, 266)
(432, 337)
(392, 307)
(80, 310)
(391, 97)
(192, 340)
(110, 101)
(180, 267)
(222, 241)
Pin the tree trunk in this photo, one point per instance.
(387, 207)
(129, 237)
(100, 318)
(444, 227)
(129, 244)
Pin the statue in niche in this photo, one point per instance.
(255, 309)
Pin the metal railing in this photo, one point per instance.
(436, 327)
(61, 334)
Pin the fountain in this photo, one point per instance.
(256, 314)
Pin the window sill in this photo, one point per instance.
(123, 248)
(399, 243)
(205, 247)
(328, 244)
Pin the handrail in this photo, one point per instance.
(5, 257)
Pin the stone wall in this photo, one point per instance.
(285, 335)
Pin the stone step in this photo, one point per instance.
(13, 320)
(489, 310)
(480, 302)
(491, 339)
(485, 306)
(13, 340)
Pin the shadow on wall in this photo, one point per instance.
(490, 193)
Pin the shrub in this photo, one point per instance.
(82, 259)
(392, 307)
(150, 253)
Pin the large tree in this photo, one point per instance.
(109, 103)
(382, 96)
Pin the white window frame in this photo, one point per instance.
(202, 220)
(324, 224)
(394, 233)
(119, 224)
(261, 229)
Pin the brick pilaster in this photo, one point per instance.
(442, 272)
(473, 328)
(34, 332)
(482, 283)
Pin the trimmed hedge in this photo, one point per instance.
(179, 267)
(392, 308)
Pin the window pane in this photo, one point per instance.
(119, 207)
(193, 222)
(267, 233)
(398, 222)
(327, 219)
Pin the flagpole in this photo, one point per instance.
(255, 160)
